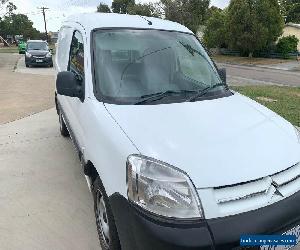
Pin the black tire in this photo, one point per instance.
(62, 126)
(112, 241)
(51, 65)
(27, 65)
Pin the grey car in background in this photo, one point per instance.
(38, 54)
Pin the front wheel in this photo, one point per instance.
(105, 222)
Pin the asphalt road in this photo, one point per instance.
(251, 75)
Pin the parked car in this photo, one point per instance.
(22, 47)
(174, 158)
(38, 54)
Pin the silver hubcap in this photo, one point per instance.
(102, 220)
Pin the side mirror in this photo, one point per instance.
(70, 84)
(223, 75)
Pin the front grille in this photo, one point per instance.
(288, 181)
(243, 197)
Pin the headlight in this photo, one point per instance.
(28, 54)
(49, 55)
(161, 189)
(298, 133)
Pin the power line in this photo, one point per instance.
(44, 15)
(31, 13)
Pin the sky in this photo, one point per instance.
(60, 9)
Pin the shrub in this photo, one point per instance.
(287, 45)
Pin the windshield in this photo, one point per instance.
(37, 46)
(132, 64)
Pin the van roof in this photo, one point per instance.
(91, 21)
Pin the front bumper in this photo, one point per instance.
(139, 230)
(38, 61)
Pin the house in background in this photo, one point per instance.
(292, 29)
(53, 37)
(200, 32)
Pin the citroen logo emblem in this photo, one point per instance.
(276, 186)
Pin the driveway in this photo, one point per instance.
(252, 75)
(8, 61)
(45, 71)
(23, 94)
(45, 200)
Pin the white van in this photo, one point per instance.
(173, 157)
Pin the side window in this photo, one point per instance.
(63, 48)
(76, 62)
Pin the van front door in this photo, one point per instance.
(76, 106)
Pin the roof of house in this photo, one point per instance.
(295, 25)
(91, 21)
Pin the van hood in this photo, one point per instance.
(217, 142)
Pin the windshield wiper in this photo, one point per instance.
(204, 91)
(160, 95)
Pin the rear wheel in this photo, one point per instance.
(62, 126)
(27, 65)
(105, 222)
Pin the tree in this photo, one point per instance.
(253, 25)
(199, 10)
(212, 10)
(104, 8)
(18, 24)
(10, 8)
(120, 6)
(293, 15)
(147, 9)
(215, 30)
(290, 9)
(191, 13)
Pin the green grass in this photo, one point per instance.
(248, 61)
(13, 49)
(285, 101)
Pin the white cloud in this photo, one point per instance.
(59, 10)
(219, 3)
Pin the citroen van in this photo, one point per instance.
(173, 157)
